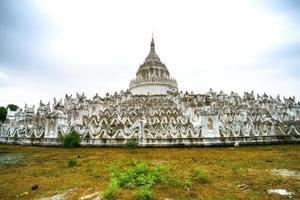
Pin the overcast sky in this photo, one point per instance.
(52, 47)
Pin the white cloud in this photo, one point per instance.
(97, 46)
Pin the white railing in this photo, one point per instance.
(164, 81)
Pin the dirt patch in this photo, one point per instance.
(95, 195)
(159, 162)
(60, 196)
(286, 173)
(11, 158)
(282, 192)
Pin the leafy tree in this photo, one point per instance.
(3, 113)
(12, 107)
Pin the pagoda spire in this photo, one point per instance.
(152, 43)
(152, 56)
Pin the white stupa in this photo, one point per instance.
(152, 77)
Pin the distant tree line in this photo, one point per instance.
(3, 111)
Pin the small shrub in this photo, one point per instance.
(108, 194)
(142, 176)
(139, 175)
(221, 163)
(112, 189)
(71, 140)
(131, 144)
(72, 162)
(144, 194)
(165, 176)
(201, 175)
(187, 182)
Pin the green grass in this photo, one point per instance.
(201, 175)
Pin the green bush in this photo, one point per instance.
(111, 190)
(187, 182)
(144, 194)
(165, 175)
(72, 162)
(201, 175)
(142, 176)
(136, 175)
(131, 144)
(71, 140)
(108, 194)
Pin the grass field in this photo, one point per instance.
(229, 173)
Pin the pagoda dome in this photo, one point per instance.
(152, 77)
